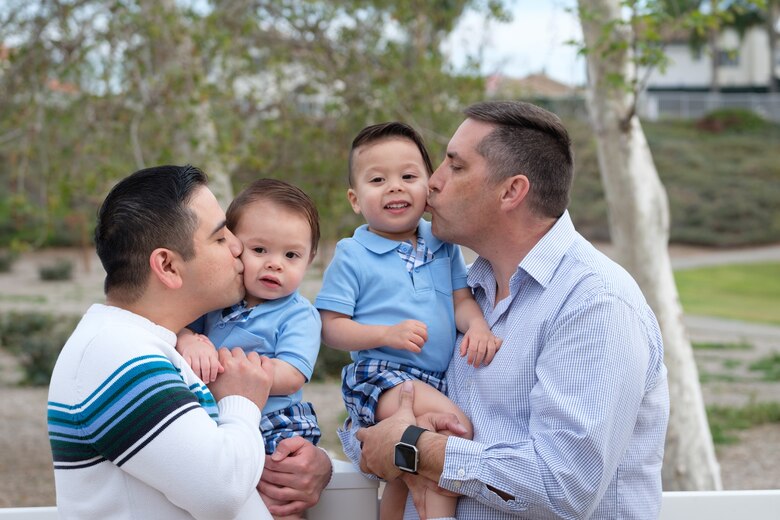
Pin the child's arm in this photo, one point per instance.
(200, 354)
(343, 333)
(287, 378)
(478, 340)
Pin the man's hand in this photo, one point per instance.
(247, 375)
(408, 335)
(201, 355)
(294, 476)
(378, 442)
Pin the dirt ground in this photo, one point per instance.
(26, 477)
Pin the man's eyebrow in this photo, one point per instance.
(452, 155)
(218, 228)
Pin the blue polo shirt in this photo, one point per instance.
(368, 281)
(288, 329)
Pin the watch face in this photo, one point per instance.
(406, 457)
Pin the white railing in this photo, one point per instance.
(350, 495)
(693, 105)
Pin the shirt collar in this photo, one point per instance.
(540, 263)
(380, 245)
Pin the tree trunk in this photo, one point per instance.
(772, 14)
(712, 41)
(639, 226)
(197, 142)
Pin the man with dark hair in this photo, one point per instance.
(570, 417)
(134, 433)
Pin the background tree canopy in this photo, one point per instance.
(94, 89)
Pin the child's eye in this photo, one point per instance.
(292, 254)
(258, 250)
(409, 176)
(375, 179)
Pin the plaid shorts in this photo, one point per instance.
(296, 420)
(362, 382)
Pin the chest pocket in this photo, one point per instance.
(247, 341)
(441, 275)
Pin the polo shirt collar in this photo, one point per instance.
(381, 245)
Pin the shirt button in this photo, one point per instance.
(416, 269)
(221, 325)
(456, 484)
(461, 472)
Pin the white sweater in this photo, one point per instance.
(135, 434)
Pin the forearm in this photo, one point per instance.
(467, 311)
(343, 333)
(287, 378)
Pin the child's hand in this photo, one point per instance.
(200, 354)
(408, 335)
(480, 344)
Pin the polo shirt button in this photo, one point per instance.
(416, 269)
(221, 325)
(457, 484)
(461, 472)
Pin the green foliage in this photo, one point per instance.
(769, 365)
(244, 89)
(725, 420)
(749, 292)
(722, 346)
(36, 339)
(60, 270)
(329, 364)
(732, 120)
(7, 259)
(723, 188)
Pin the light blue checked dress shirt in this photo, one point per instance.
(570, 417)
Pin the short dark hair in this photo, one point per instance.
(282, 193)
(142, 212)
(532, 141)
(386, 131)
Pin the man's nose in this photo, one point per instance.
(236, 246)
(434, 179)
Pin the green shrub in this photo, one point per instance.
(7, 259)
(36, 339)
(60, 270)
(329, 364)
(731, 120)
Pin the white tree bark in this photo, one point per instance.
(639, 226)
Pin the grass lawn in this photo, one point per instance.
(749, 292)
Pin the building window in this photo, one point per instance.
(728, 58)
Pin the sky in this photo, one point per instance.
(534, 41)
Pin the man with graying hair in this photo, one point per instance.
(134, 432)
(570, 417)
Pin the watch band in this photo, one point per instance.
(411, 434)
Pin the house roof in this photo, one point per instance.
(539, 84)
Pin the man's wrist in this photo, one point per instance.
(330, 459)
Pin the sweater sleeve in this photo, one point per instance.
(146, 420)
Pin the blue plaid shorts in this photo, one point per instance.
(296, 420)
(362, 382)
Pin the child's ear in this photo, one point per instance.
(166, 267)
(353, 200)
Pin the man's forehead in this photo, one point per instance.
(468, 136)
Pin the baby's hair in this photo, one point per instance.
(282, 193)
(386, 131)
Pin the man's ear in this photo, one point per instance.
(514, 191)
(166, 267)
(353, 200)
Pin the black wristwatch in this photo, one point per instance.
(406, 453)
